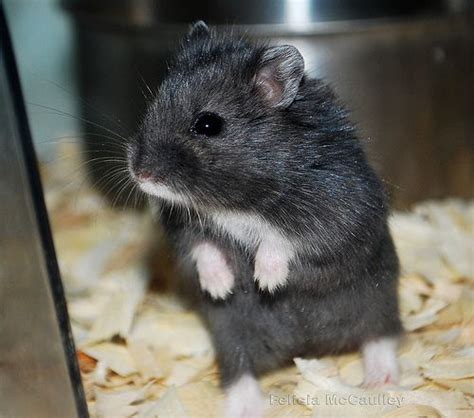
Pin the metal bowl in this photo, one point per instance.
(404, 68)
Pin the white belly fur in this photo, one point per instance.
(274, 251)
(249, 230)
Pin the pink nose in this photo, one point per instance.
(144, 176)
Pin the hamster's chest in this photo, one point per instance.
(248, 229)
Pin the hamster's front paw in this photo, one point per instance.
(244, 399)
(271, 265)
(215, 275)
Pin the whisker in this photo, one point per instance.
(132, 194)
(124, 184)
(80, 140)
(84, 101)
(64, 157)
(62, 113)
(116, 171)
(147, 87)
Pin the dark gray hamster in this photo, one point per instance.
(275, 214)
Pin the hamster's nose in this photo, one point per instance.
(144, 175)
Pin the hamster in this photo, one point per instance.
(277, 219)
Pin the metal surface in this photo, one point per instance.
(38, 373)
(142, 13)
(408, 79)
(410, 86)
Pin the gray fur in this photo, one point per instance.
(297, 165)
(281, 73)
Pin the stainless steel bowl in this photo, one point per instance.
(404, 68)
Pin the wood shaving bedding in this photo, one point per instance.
(142, 353)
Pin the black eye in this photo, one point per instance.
(208, 124)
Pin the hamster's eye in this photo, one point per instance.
(208, 124)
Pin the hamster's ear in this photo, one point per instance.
(198, 30)
(279, 75)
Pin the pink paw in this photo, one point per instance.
(379, 380)
(244, 399)
(380, 362)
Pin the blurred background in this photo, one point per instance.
(404, 68)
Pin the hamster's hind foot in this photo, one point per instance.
(380, 362)
(244, 399)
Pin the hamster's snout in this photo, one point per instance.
(154, 185)
(161, 170)
(144, 166)
(141, 174)
(144, 175)
(135, 168)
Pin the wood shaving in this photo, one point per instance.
(144, 353)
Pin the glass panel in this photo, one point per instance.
(39, 376)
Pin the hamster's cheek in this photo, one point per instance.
(215, 275)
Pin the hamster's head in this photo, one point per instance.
(216, 134)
